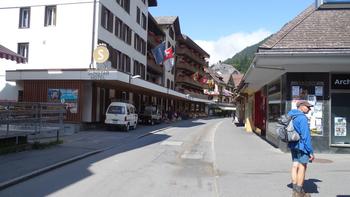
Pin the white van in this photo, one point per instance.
(122, 115)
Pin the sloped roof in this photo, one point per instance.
(215, 76)
(226, 77)
(187, 40)
(170, 20)
(152, 3)
(237, 79)
(313, 29)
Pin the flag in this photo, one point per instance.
(159, 53)
(169, 53)
(203, 80)
(169, 63)
(195, 76)
(169, 59)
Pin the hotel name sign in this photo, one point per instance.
(100, 56)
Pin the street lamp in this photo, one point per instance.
(133, 77)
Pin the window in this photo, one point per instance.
(171, 33)
(144, 21)
(340, 117)
(23, 49)
(107, 19)
(168, 83)
(24, 18)
(274, 101)
(128, 64)
(125, 4)
(138, 15)
(50, 16)
(118, 24)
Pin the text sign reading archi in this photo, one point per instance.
(340, 81)
(101, 54)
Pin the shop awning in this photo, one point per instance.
(267, 67)
(6, 53)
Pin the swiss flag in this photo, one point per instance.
(168, 53)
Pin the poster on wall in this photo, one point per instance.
(339, 126)
(319, 90)
(295, 91)
(314, 116)
(69, 97)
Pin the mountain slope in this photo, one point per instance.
(242, 60)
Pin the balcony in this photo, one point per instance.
(190, 81)
(153, 40)
(196, 95)
(151, 65)
(183, 50)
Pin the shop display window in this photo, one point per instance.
(340, 116)
(274, 101)
(313, 92)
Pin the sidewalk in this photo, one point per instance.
(249, 166)
(17, 167)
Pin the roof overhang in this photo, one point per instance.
(269, 66)
(88, 75)
(152, 3)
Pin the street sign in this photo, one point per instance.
(101, 54)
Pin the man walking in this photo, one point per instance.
(302, 151)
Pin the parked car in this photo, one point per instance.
(151, 115)
(122, 115)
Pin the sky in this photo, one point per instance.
(224, 27)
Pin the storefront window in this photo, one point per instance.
(313, 92)
(274, 101)
(340, 117)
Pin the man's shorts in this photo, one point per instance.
(299, 156)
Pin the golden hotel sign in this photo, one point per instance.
(100, 56)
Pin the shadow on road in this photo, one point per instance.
(310, 185)
(55, 180)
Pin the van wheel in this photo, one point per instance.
(127, 127)
(152, 122)
(135, 126)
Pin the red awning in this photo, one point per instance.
(10, 55)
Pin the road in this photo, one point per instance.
(178, 161)
(196, 158)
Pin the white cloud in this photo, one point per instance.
(226, 47)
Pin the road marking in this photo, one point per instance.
(171, 143)
(192, 155)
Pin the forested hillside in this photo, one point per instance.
(242, 60)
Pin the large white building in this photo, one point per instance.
(58, 38)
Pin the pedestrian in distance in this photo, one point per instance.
(302, 151)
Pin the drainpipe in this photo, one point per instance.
(93, 34)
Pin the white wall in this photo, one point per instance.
(66, 45)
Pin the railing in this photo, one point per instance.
(185, 51)
(33, 120)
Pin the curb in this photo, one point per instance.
(38, 172)
(22, 178)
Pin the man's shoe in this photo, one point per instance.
(300, 194)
